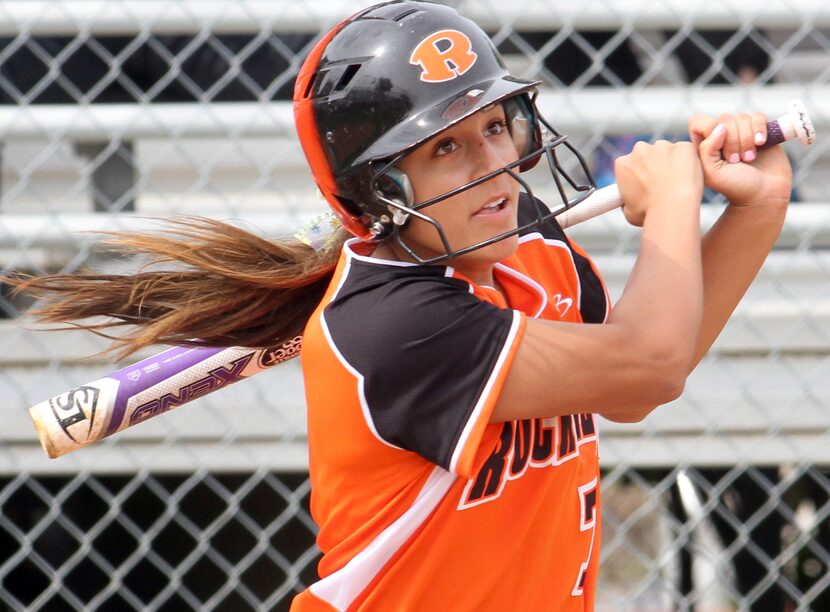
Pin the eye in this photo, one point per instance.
(496, 127)
(446, 146)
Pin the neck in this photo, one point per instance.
(480, 275)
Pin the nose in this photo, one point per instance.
(490, 156)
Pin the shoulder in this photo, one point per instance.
(427, 355)
(390, 291)
(403, 305)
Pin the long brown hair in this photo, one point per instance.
(206, 283)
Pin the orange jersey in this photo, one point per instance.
(423, 504)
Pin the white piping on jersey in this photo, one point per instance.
(530, 283)
(341, 588)
(350, 254)
(562, 245)
(511, 337)
(607, 303)
(342, 280)
(449, 272)
(485, 394)
(361, 383)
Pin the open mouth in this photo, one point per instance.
(493, 207)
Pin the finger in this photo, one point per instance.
(711, 147)
(759, 128)
(700, 126)
(746, 136)
(731, 150)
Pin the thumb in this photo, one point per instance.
(711, 146)
(699, 126)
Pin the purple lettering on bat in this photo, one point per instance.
(171, 362)
(215, 379)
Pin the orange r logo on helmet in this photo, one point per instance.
(443, 56)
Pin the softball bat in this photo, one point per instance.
(146, 389)
(174, 377)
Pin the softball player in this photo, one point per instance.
(458, 347)
(452, 406)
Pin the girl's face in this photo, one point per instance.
(469, 150)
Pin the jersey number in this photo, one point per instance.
(587, 521)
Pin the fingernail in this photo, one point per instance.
(734, 158)
(718, 129)
(759, 138)
(749, 155)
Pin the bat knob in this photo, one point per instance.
(801, 123)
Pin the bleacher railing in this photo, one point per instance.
(112, 112)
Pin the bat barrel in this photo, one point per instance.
(147, 389)
(74, 419)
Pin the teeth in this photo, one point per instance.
(495, 204)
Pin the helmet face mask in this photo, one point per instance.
(570, 191)
(387, 80)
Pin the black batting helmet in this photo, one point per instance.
(389, 78)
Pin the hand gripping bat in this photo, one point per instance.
(179, 375)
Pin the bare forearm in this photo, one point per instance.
(663, 295)
(732, 252)
(642, 352)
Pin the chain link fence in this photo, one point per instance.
(112, 112)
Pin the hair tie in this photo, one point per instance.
(320, 232)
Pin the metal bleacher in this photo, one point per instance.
(757, 409)
(261, 130)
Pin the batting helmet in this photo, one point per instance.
(391, 77)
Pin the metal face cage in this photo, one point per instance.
(400, 212)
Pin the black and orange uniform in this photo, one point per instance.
(422, 503)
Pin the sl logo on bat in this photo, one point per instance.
(75, 406)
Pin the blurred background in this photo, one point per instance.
(115, 111)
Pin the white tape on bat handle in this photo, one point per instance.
(598, 203)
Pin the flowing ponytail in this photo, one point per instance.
(225, 287)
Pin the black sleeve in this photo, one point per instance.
(426, 349)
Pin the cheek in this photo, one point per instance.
(428, 185)
(445, 213)
(508, 149)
